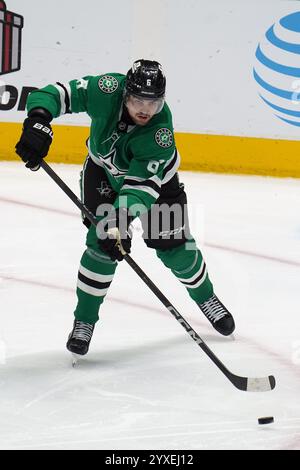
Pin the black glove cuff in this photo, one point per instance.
(40, 113)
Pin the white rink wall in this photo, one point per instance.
(207, 49)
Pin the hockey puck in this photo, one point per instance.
(266, 420)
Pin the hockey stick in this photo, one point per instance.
(261, 384)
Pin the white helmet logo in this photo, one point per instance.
(135, 66)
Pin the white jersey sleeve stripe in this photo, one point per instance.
(69, 91)
(62, 95)
(65, 97)
(171, 172)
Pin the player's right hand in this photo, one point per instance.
(114, 233)
(35, 141)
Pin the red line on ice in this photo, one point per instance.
(283, 361)
(209, 245)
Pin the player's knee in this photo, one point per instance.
(181, 255)
(166, 225)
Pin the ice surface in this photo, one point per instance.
(145, 384)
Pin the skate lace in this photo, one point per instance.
(83, 331)
(213, 309)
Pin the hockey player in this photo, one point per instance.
(131, 169)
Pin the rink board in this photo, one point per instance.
(199, 152)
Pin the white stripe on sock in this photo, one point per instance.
(91, 290)
(95, 276)
(192, 278)
(198, 284)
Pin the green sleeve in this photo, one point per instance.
(60, 98)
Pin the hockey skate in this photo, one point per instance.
(218, 315)
(80, 337)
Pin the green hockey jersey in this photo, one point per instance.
(137, 159)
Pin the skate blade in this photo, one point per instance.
(75, 359)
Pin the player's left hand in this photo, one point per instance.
(115, 235)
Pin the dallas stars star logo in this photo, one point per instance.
(164, 138)
(108, 162)
(108, 84)
(105, 190)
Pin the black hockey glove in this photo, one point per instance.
(36, 138)
(115, 235)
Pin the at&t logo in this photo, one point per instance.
(277, 68)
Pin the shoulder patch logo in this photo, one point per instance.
(164, 137)
(108, 84)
